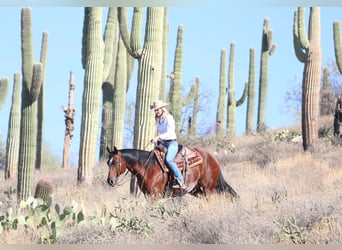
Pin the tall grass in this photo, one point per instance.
(287, 196)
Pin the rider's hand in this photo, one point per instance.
(154, 140)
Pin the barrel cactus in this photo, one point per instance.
(44, 189)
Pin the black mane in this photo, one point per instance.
(142, 157)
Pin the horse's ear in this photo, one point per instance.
(115, 149)
(108, 149)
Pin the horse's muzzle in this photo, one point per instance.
(112, 182)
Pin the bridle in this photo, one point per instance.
(118, 165)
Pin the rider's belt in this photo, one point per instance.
(168, 140)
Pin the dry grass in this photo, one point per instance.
(286, 196)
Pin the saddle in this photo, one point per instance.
(186, 157)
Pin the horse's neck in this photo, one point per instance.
(134, 166)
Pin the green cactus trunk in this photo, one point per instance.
(111, 44)
(13, 133)
(163, 79)
(327, 98)
(222, 100)
(193, 122)
(91, 100)
(267, 49)
(232, 102)
(251, 93)
(40, 122)
(32, 75)
(119, 104)
(149, 73)
(175, 95)
(308, 51)
(4, 87)
(338, 44)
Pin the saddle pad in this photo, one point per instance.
(187, 157)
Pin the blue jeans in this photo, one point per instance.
(172, 149)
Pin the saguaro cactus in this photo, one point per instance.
(251, 93)
(32, 74)
(175, 95)
(327, 98)
(338, 44)
(308, 51)
(13, 133)
(4, 86)
(193, 121)
(111, 44)
(222, 101)
(163, 79)
(69, 121)
(267, 49)
(232, 103)
(149, 68)
(119, 95)
(41, 100)
(93, 57)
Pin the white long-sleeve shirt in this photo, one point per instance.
(166, 128)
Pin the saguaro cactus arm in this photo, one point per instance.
(300, 53)
(338, 44)
(36, 82)
(4, 87)
(132, 41)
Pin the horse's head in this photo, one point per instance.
(116, 166)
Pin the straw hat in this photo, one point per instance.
(158, 104)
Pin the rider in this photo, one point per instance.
(167, 137)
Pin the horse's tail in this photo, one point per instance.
(223, 187)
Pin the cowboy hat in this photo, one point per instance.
(158, 104)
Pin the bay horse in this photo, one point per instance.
(154, 180)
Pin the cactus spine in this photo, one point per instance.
(251, 93)
(13, 133)
(4, 87)
(69, 121)
(232, 103)
(31, 81)
(222, 101)
(267, 49)
(91, 105)
(308, 51)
